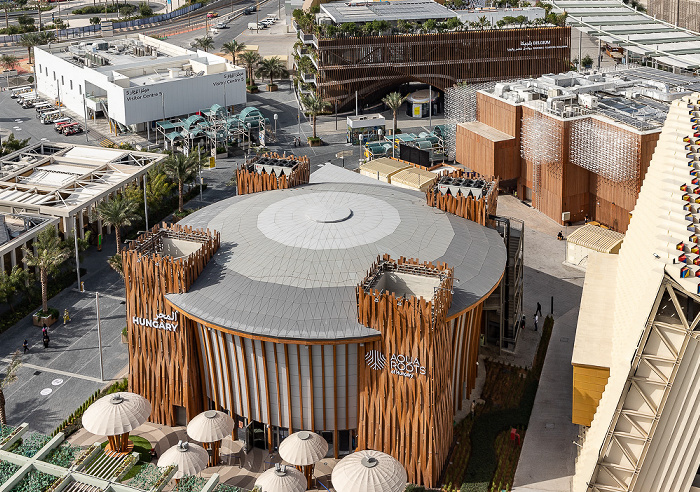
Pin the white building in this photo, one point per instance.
(639, 320)
(136, 79)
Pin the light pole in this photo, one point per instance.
(85, 111)
(99, 335)
(145, 201)
(77, 258)
(275, 126)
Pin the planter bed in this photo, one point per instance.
(31, 444)
(7, 469)
(64, 455)
(35, 481)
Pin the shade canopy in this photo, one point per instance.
(189, 458)
(281, 479)
(210, 426)
(303, 448)
(116, 414)
(369, 471)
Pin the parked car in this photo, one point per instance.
(250, 10)
(211, 15)
(220, 25)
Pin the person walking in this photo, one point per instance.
(25, 345)
(43, 330)
(46, 340)
(66, 317)
(537, 318)
(473, 408)
(539, 309)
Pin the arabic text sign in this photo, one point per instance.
(161, 321)
(535, 45)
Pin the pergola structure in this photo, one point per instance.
(68, 181)
(616, 23)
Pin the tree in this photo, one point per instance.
(95, 20)
(429, 25)
(50, 254)
(158, 189)
(11, 144)
(233, 48)
(117, 212)
(205, 43)
(271, 68)
(9, 62)
(83, 244)
(12, 282)
(453, 23)
(394, 100)
(9, 378)
(181, 169)
(32, 39)
(250, 59)
(313, 105)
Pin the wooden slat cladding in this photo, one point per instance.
(476, 210)
(253, 182)
(369, 64)
(408, 417)
(162, 366)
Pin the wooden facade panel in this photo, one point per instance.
(486, 156)
(159, 367)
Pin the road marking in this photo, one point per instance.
(56, 371)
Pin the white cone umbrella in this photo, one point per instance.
(282, 479)
(189, 458)
(210, 426)
(369, 471)
(116, 414)
(303, 448)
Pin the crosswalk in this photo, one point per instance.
(105, 142)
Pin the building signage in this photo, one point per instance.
(399, 364)
(161, 321)
(535, 45)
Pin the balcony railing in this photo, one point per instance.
(308, 78)
(308, 38)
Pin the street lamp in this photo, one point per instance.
(275, 125)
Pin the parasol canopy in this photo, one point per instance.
(189, 458)
(281, 479)
(369, 471)
(303, 448)
(210, 426)
(116, 414)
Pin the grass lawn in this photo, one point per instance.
(141, 446)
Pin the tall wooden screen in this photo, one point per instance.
(474, 209)
(250, 181)
(406, 397)
(163, 351)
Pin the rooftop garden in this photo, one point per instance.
(7, 469)
(307, 23)
(34, 481)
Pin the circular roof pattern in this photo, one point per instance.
(290, 260)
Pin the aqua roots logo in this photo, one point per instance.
(375, 360)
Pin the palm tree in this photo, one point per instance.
(117, 212)
(393, 101)
(313, 105)
(250, 59)
(9, 378)
(272, 68)
(181, 169)
(32, 39)
(50, 253)
(233, 48)
(206, 43)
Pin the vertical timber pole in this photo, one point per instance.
(430, 105)
(356, 108)
(145, 201)
(77, 258)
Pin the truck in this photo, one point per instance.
(253, 26)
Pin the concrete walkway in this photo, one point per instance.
(550, 433)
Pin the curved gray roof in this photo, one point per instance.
(290, 260)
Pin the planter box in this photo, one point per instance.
(271, 87)
(253, 91)
(315, 143)
(40, 320)
(124, 339)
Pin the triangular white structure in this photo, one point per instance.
(645, 434)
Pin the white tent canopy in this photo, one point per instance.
(281, 479)
(189, 458)
(210, 426)
(369, 471)
(303, 448)
(116, 414)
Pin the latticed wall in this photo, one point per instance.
(684, 13)
(608, 151)
(540, 144)
(371, 65)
